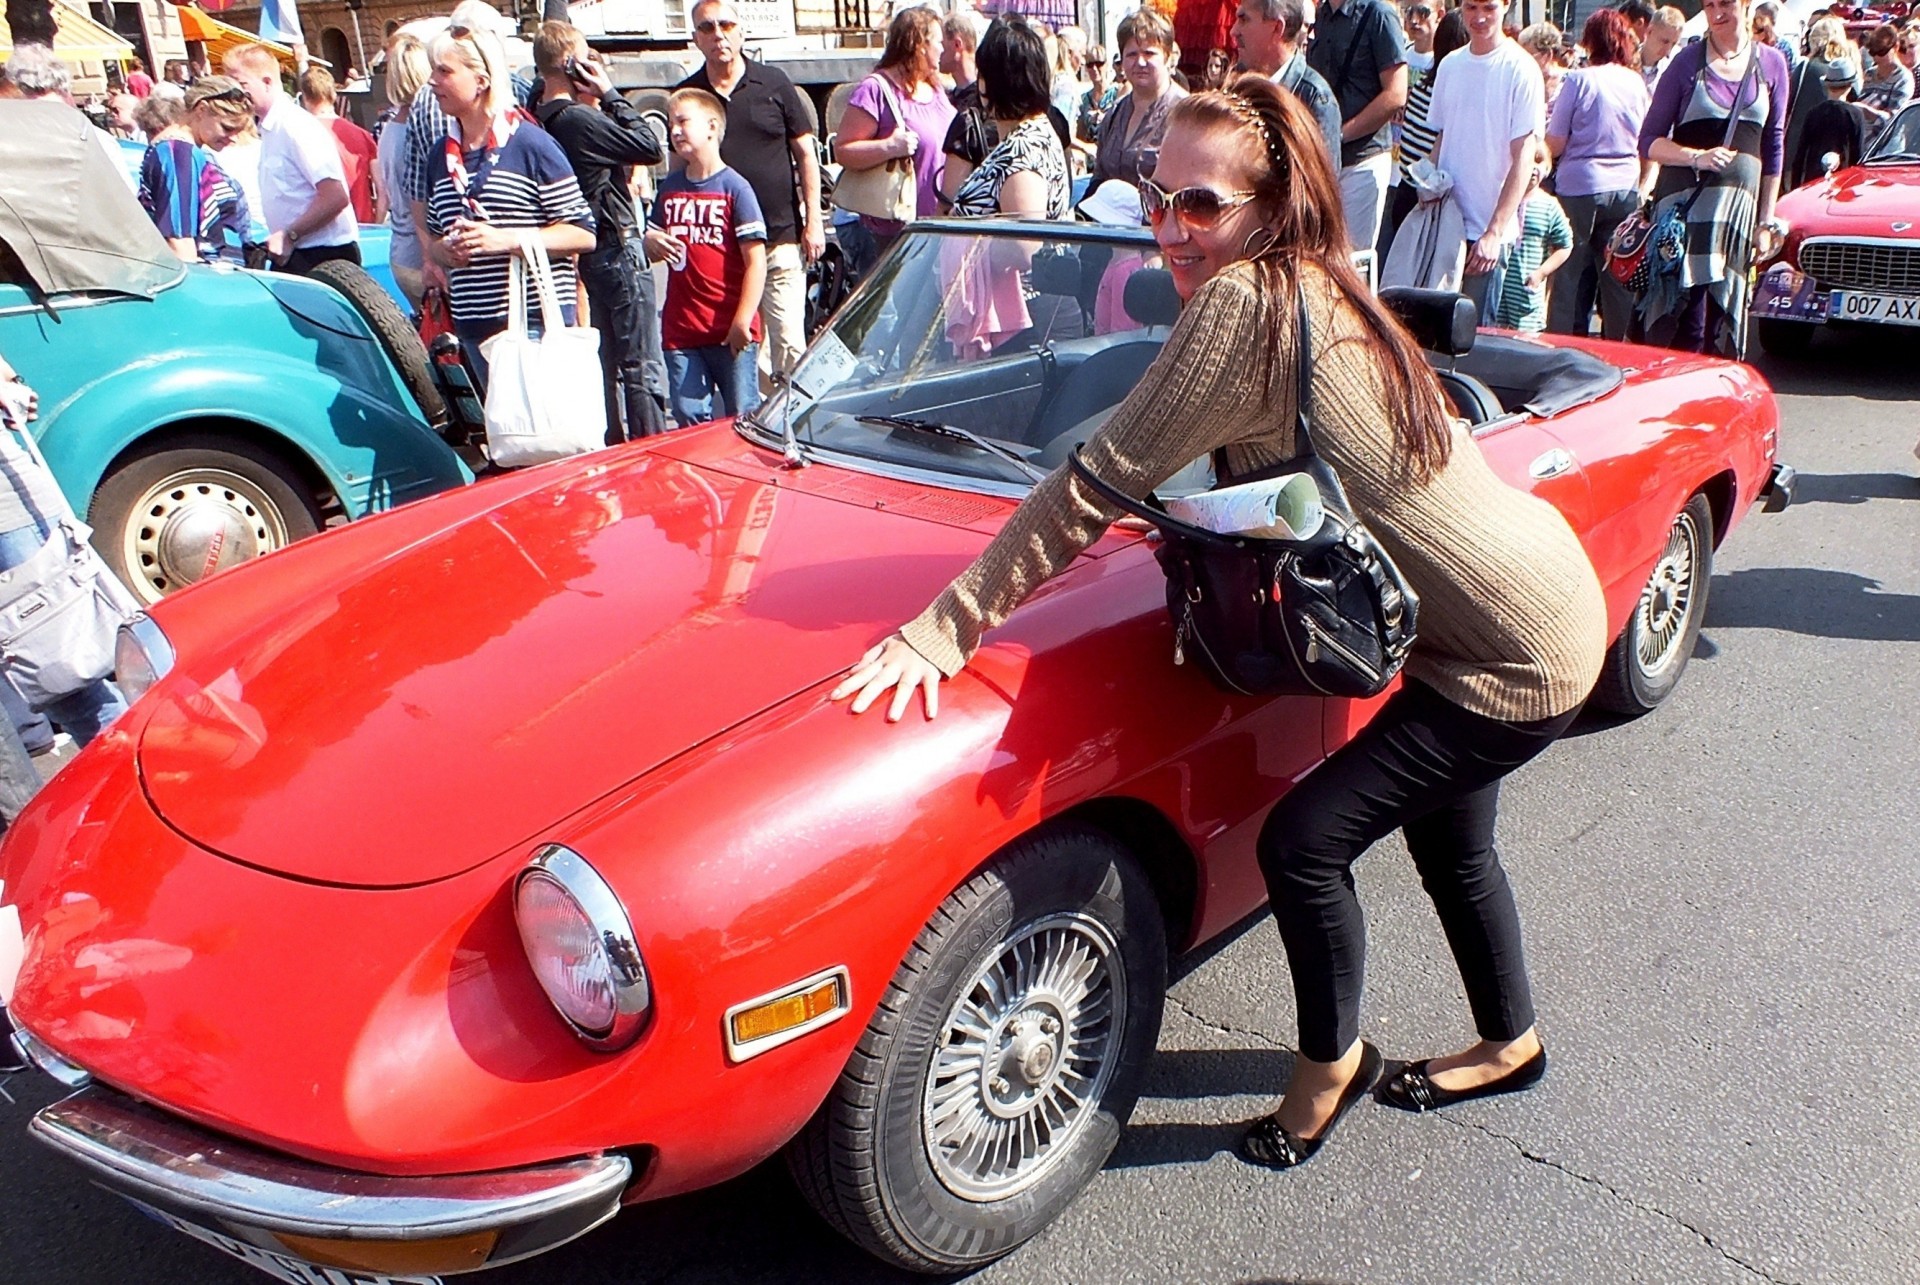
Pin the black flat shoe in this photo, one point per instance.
(1409, 1089)
(1266, 1143)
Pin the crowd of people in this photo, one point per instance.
(1547, 145)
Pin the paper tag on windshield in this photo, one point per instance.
(13, 949)
(826, 367)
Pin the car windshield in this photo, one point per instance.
(976, 356)
(1900, 140)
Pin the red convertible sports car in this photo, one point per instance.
(1852, 252)
(469, 872)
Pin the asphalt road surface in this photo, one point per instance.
(1724, 923)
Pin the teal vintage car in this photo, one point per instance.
(197, 415)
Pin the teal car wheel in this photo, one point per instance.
(194, 506)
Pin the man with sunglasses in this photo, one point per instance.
(1358, 48)
(1268, 35)
(769, 142)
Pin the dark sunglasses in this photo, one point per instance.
(712, 25)
(1197, 208)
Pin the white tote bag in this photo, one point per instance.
(544, 395)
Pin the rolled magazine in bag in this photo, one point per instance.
(1281, 508)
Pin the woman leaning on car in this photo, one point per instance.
(1246, 210)
(1685, 134)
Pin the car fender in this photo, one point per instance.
(341, 418)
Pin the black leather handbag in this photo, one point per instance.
(1329, 616)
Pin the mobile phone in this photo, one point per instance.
(577, 72)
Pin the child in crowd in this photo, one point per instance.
(708, 229)
(1546, 240)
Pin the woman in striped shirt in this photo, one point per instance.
(1417, 136)
(184, 190)
(499, 176)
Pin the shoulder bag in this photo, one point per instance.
(1650, 240)
(1326, 616)
(60, 610)
(544, 400)
(888, 190)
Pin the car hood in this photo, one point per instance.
(1876, 194)
(449, 700)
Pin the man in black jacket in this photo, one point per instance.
(1835, 125)
(604, 136)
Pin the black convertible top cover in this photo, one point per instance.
(1538, 378)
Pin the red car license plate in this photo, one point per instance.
(282, 1267)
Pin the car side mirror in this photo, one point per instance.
(1829, 163)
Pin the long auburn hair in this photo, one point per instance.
(1295, 189)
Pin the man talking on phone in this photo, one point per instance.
(603, 136)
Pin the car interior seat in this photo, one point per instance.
(1098, 384)
(1446, 324)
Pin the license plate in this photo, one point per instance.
(282, 1267)
(1786, 295)
(1894, 309)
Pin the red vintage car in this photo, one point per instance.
(470, 872)
(1852, 252)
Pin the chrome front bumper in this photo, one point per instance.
(1777, 494)
(203, 1178)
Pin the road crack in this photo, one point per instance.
(1222, 1028)
(1534, 1157)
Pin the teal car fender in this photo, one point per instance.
(282, 361)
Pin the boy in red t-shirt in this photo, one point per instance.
(708, 229)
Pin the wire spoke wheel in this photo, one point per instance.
(1667, 603)
(1026, 1054)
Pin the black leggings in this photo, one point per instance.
(1432, 768)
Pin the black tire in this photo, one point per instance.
(391, 328)
(866, 1161)
(1645, 662)
(1784, 338)
(148, 510)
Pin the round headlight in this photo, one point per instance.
(141, 656)
(580, 944)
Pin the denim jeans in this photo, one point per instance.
(81, 714)
(620, 295)
(697, 377)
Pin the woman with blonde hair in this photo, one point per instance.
(407, 71)
(499, 178)
(184, 189)
(1827, 46)
(900, 110)
(1245, 205)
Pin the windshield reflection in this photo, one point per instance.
(1024, 342)
(1900, 141)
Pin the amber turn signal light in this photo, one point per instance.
(787, 1014)
(395, 1257)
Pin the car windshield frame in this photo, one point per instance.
(972, 471)
(1904, 124)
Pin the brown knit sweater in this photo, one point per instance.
(1512, 622)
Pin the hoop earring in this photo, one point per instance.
(1266, 239)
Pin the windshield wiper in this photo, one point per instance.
(938, 429)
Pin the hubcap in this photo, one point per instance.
(194, 523)
(1660, 621)
(1026, 1054)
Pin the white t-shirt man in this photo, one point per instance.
(1481, 103)
(297, 153)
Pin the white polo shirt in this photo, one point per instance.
(297, 153)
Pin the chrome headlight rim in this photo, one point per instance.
(576, 879)
(142, 656)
